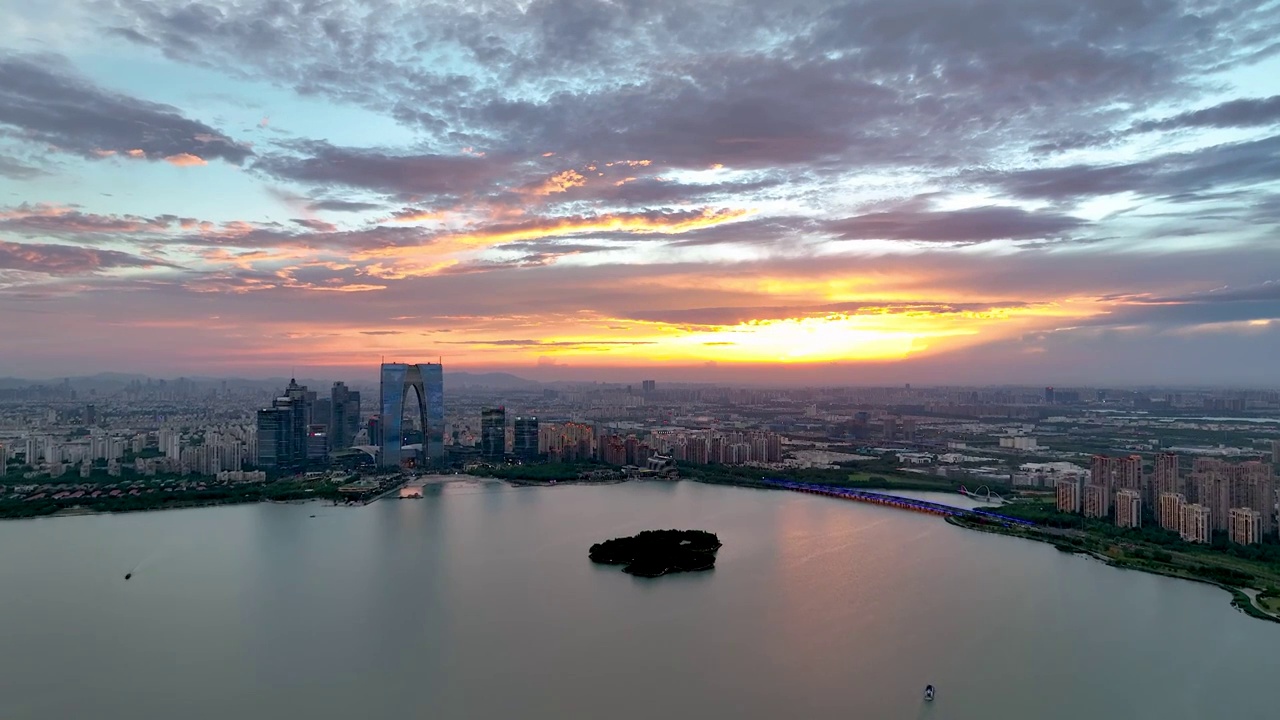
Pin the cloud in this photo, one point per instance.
(971, 225)
(185, 160)
(64, 260)
(50, 220)
(343, 206)
(1268, 291)
(43, 99)
(16, 170)
(877, 81)
(419, 175)
(1188, 173)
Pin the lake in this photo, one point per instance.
(478, 601)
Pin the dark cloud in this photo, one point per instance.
(809, 83)
(1268, 291)
(16, 170)
(67, 259)
(1175, 175)
(343, 206)
(411, 175)
(44, 101)
(971, 225)
(1244, 112)
(47, 221)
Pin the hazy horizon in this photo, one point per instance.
(929, 191)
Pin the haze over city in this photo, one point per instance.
(930, 191)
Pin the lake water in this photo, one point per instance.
(478, 601)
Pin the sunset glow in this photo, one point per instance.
(832, 201)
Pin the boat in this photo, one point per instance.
(128, 575)
(928, 692)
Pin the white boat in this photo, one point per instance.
(928, 692)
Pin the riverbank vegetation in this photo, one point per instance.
(163, 495)
(1154, 550)
(653, 553)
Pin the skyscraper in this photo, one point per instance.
(648, 386)
(345, 409)
(300, 403)
(525, 446)
(493, 433)
(274, 434)
(427, 382)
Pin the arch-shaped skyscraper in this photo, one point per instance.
(427, 382)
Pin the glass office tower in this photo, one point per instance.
(427, 382)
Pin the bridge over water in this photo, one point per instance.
(904, 503)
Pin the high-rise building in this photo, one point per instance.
(317, 442)
(1275, 451)
(1068, 492)
(890, 431)
(1253, 486)
(1196, 524)
(375, 431)
(1221, 485)
(1165, 478)
(1113, 474)
(526, 438)
(493, 433)
(274, 434)
(1096, 501)
(301, 401)
(1048, 396)
(345, 416)
(648, 386)
(90, 415)
(427, 382)
(1128, 508)
(1245, 526)
(322, 412)
(1169, 511)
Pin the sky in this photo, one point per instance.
(860, 191)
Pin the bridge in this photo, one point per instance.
(979, 494)
(896, 501)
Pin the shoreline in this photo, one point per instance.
(1239, 599)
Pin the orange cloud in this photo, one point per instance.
(135, 153)
(185, 160)
(558, 183)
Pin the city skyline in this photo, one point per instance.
(926, 192)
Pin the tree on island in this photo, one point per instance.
(653, 553)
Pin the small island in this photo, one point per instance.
(654, 553)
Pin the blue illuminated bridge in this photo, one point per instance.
(903, 503)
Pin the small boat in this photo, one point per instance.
(928, 692)
(128, 575)
(313, 516)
